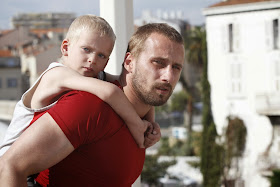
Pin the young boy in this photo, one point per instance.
(85, 52)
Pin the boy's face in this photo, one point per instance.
(89, 54)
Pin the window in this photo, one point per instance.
(60, 37)
(230, 37)
(276, 70)
(235, 77)
(12, 82)
(275, 34)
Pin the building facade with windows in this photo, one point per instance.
(244, 74)
(10, 78)
(43, 20)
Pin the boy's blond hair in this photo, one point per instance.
(90, 23)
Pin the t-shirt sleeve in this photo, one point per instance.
(77, 113)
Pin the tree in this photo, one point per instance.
(275, 178)
(153, 170)
(194, 52)
(235, 135)
(211, 152)
(178, 101)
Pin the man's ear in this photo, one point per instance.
(127, 64)
(64, 47)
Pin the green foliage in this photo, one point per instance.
(153, 170)
(179, 101)
(235, 138)
(211, 152)
(196, 142)
(164, 149)
(162, 108)
(275, 178)
(211, 157)
(234, 146)
(179, 148)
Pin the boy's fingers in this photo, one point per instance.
(156, 128)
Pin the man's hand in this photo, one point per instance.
(152, 135)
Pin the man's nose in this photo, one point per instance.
(167, 74)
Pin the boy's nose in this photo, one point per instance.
(92, 59)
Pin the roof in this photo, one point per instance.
(3, 32)
(5, 53)
(238, 2)
(40, 32)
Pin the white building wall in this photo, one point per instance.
(253, 52)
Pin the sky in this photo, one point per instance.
(192, 9)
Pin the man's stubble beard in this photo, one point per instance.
(150, 97)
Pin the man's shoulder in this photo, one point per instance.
(80, 95)
(83, 99)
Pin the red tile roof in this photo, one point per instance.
(236, 2)
(40, 32)
(5, 53)
(3, 32)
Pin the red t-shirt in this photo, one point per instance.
(105, 152)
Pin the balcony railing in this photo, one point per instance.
(268, 104)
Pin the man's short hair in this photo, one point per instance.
(90, 23)
(136, 42)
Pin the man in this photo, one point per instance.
(81, 139)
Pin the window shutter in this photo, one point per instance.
(236, 37)
(269, 35)
(225, 38)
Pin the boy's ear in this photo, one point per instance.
(64, 47)
(127, 64)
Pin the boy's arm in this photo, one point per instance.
(111, 94)
(152, 136)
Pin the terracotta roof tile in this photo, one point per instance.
(5, 53)
(40, 32)
(3, 32)
(236, 2)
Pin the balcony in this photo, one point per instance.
(268, 104)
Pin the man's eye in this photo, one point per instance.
(86, 49)
(177, 67)
(158, 62)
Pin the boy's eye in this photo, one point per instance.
(102, 56)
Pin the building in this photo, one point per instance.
(174, 19)
(43, 20)
(244, 74)
(10, 78)
(33, 49)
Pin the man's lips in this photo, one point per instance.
(163, 89)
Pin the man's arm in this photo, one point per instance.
(41, 146)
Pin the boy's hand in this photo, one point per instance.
(152, 135)
(140, 133)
